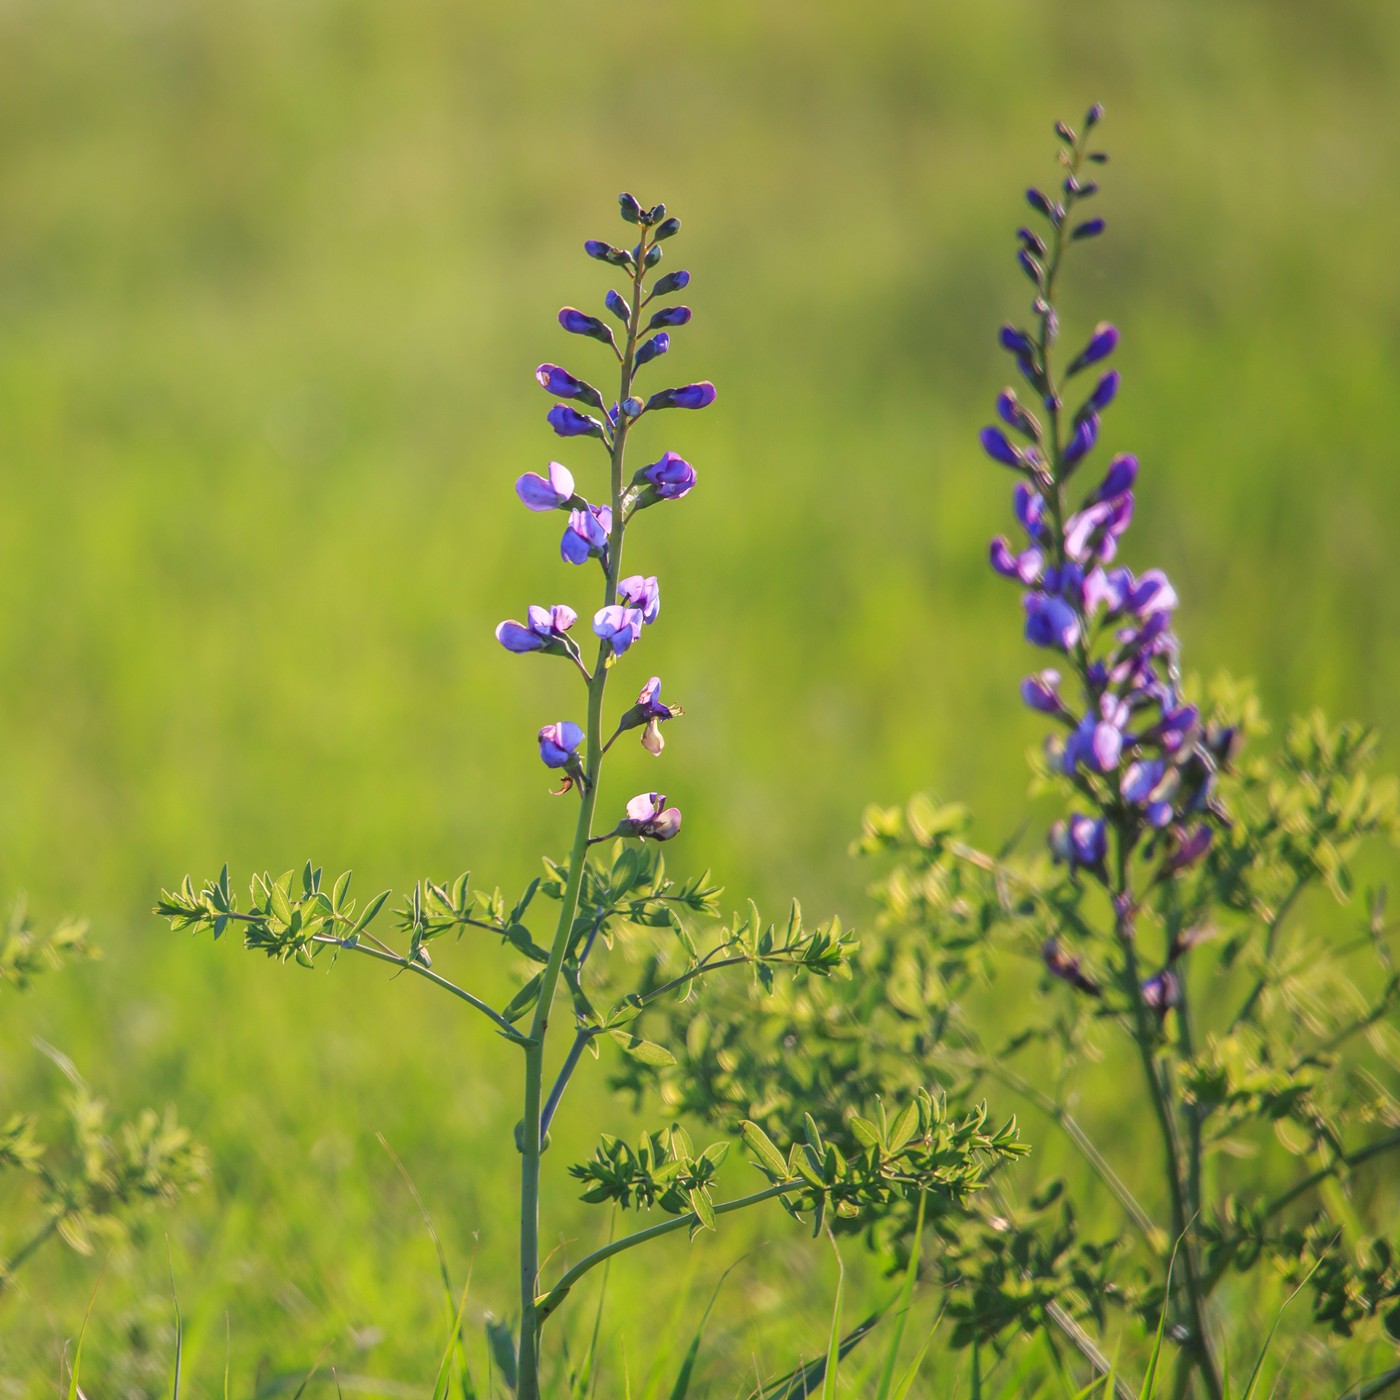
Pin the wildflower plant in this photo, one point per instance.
(612, 887)
(1144, 977)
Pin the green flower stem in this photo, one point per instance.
(385, 954)
(548, 1302)
(1198, 1352)
(37, 1241)
(531, 1131)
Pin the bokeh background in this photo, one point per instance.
(274, 277)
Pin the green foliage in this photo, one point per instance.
(90, 1185)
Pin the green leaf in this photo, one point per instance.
(904, 1127)
(371, 909)
(644, 1050)
(763, 1147)
(704, 1210)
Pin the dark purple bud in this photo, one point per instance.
(1093, 116)
(671, 282)
(1105, 391)
(1017, 342)
(657, 211)
(1081, 841)
(1162, 992)
(657, 345)
(1042, 692)
(648, 816)
(577, 323)
(541, 494)
(1011, 413)
(1098, 157)
(605, 252)
(643, 593)
(1141, 779)
(1033, 241)
(1038, 201)
(668, 229)
(569, 422)
(996, 446)
(618, 306)
(654, 255)
(1050, 621)
(1090, 228)
(1191, 849)
(559, 744)
(1085, 435)
(1101, 344)
(1065, 966)
(631, 209)
(633, 407)
(669, 317)
(563, 384)
(700, 395)
(1080, 189)
(671, 477)
(1065, 132)
(1030, 267)
(618, 626)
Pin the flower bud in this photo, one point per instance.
(996, 446)
(578, 323)
(668, 229)
(671, 282)
(1090, 228)
(631, 209)
(671, 477)
(700, 395)
(669, 316)
(605, 252)
(1093, 116)
(1101, 344)
(653, 257)
(569, 422)
(563, 384)
(657, 345)
(618, 306)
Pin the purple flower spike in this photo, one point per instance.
(1042, 692)
(700, 395)
(671, 477)
(618, 626)
(671, 282)
(1050, 622)
(563, 385)
(559, 744)
(545, 628)
(586, 535)
(541, 494)
(1101, 344)
(996, 446)
(657, 345)
(642, 593)
(569, 422)
(649, 816)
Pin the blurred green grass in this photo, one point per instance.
(273, 280)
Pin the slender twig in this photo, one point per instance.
(386, 954)
(1246, 1010)
(546, 1303)
(8, 1266)
(566, 1072)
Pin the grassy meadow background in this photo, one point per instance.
(274, 277)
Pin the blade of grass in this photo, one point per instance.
(179, 1322)
(73, 1391)
(902, 1305)
(833, 1346)
(1151, 1380)
(681, 1389)
(444, 1377)
(1377, 1385)
(1278, 1317)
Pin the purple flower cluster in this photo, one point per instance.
(1136, 751)
(595, 530)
